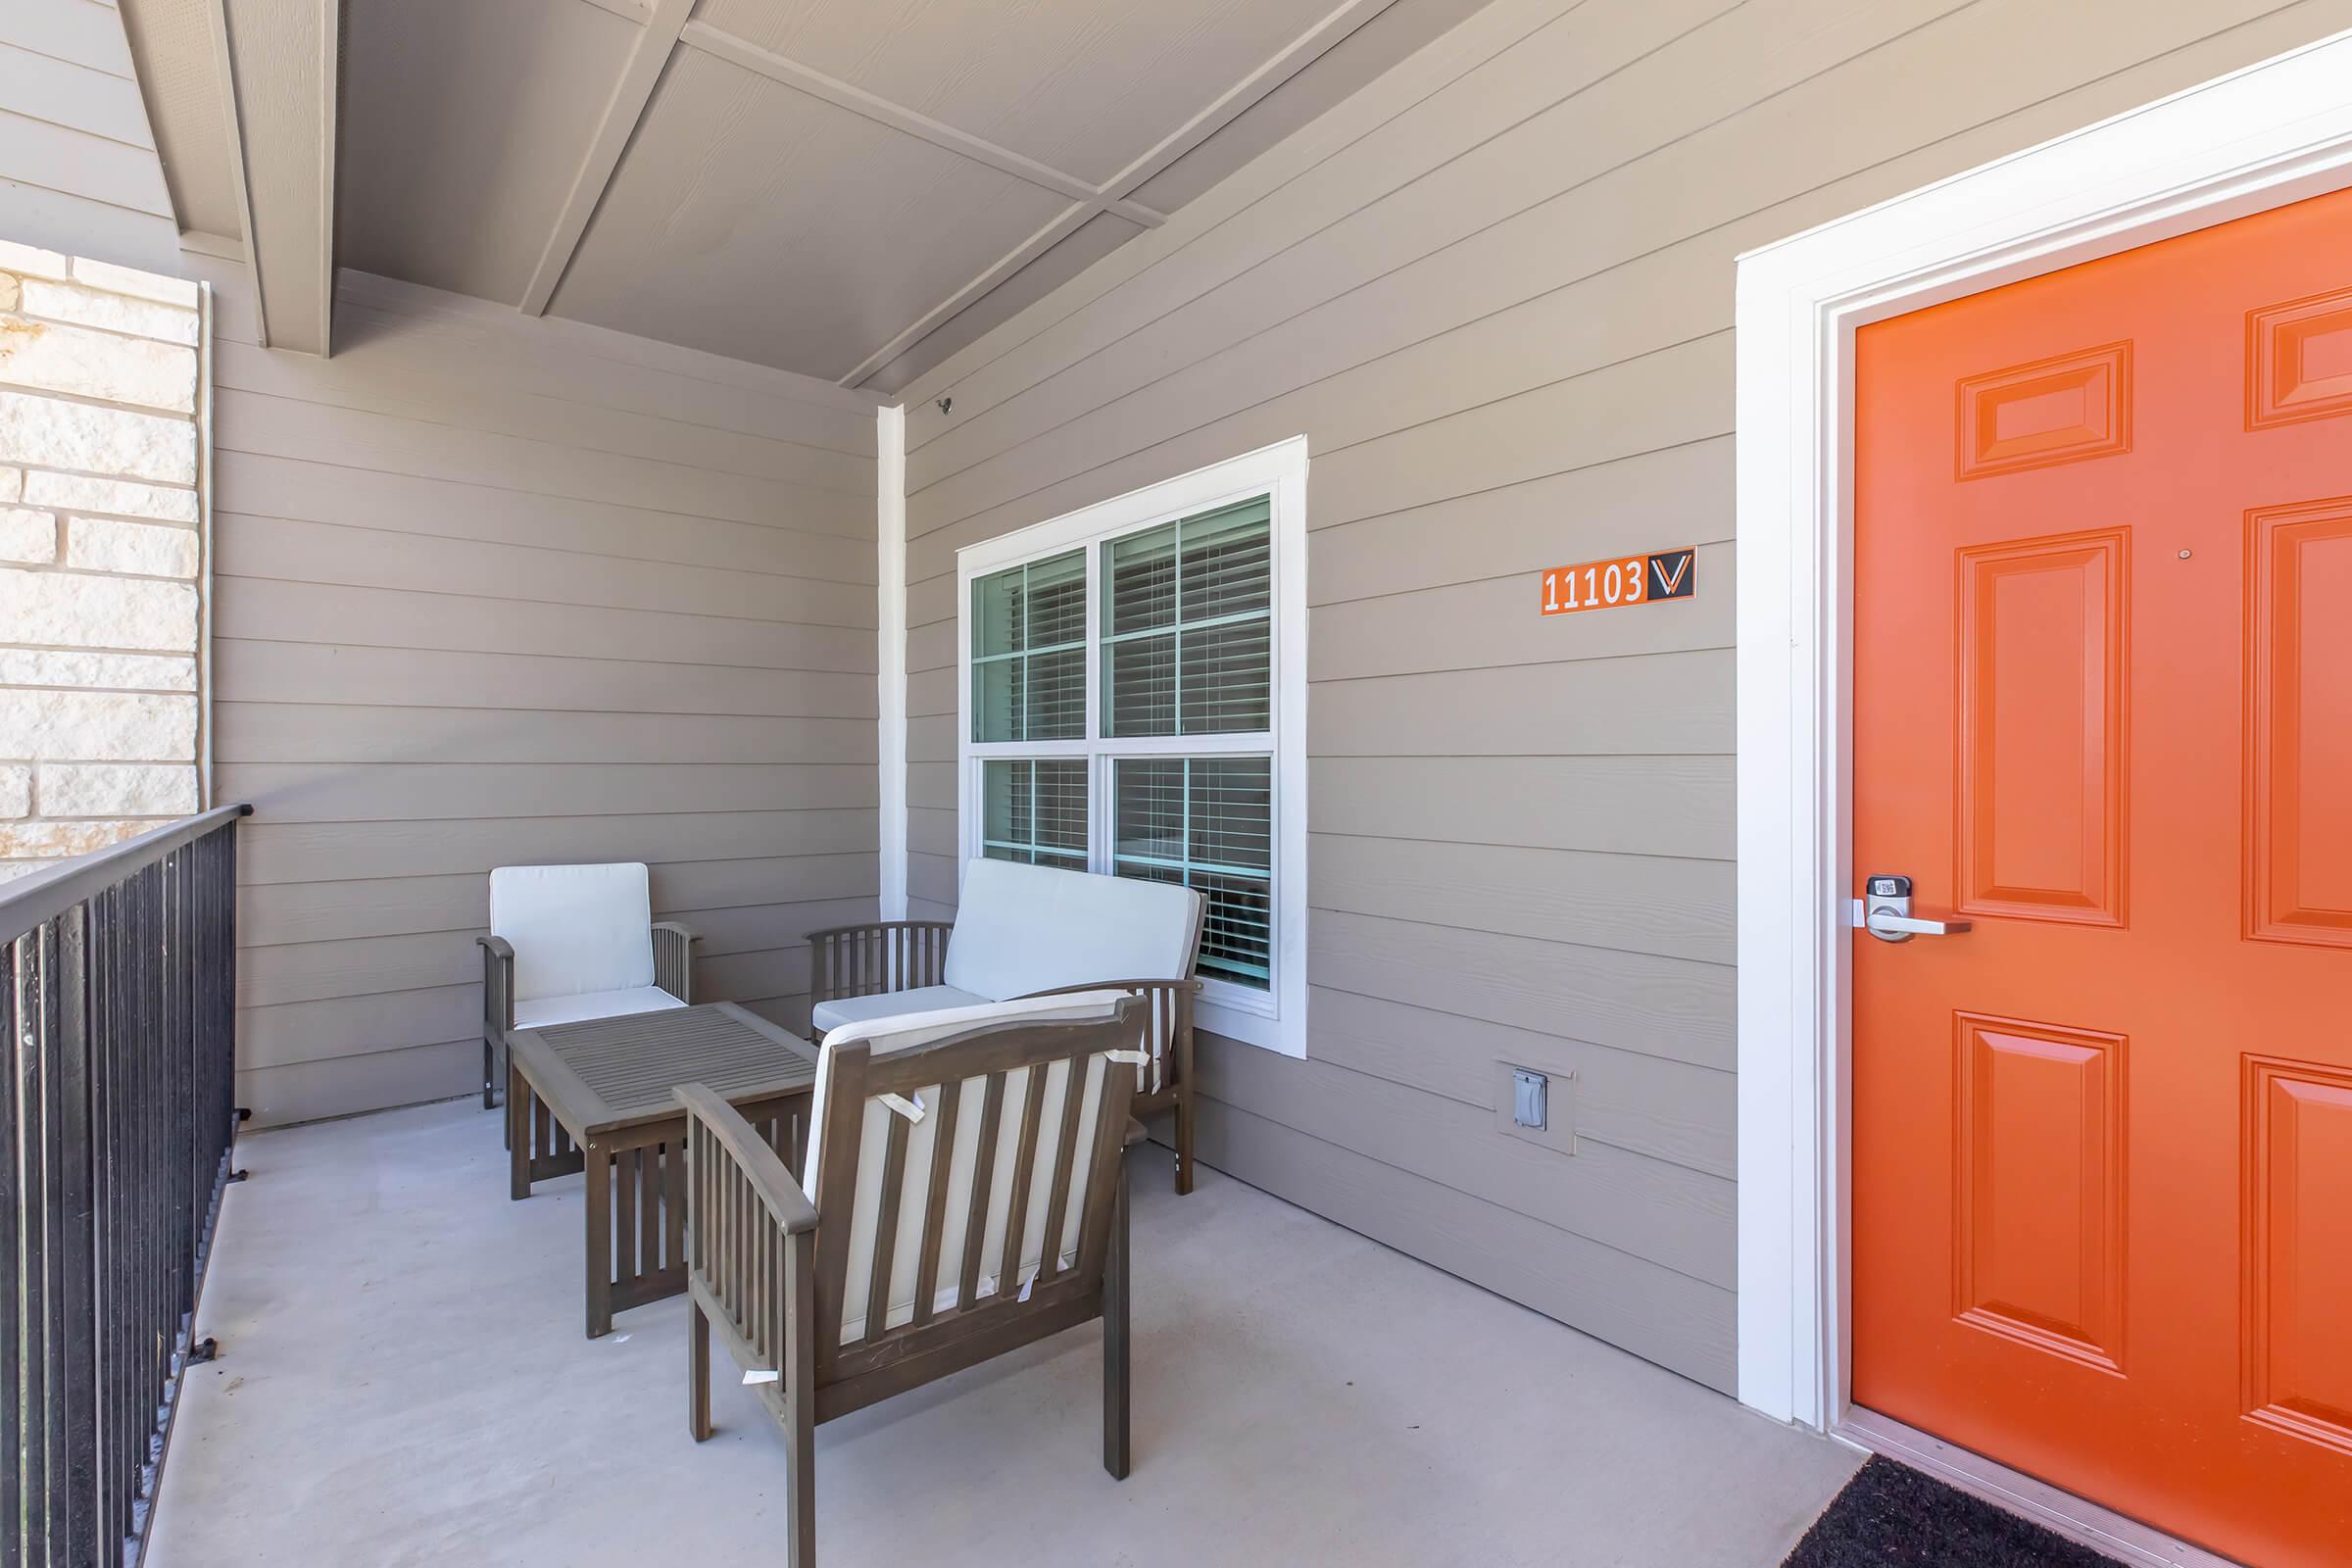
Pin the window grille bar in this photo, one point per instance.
(1237, 617)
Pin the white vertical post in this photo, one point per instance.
(890, 641)
(205, 548)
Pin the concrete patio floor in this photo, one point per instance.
(404, 1381)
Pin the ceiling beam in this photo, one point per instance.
(222, 247)
(280, 64)
(622, 111)
(669, 25)
(898, 116)
(1302, 51)
(1060, 228)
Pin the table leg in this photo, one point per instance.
(697, 1372)
(599, 1176)
(518, 1136)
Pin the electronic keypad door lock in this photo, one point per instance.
(1885, 912)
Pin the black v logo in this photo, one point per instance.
(1674, 574)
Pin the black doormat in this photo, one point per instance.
(1892, 1516)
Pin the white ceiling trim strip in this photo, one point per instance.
(1063, 224)
(630, 94)
(898, 116)
(1302, 51)
(668, 25)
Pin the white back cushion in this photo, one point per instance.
(574, 928)
(905, 1033)
(1022, 929)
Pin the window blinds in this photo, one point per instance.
(1183, 636)
(1206, 822)
(1187, 622)
(1029, 652)
(1034, 809)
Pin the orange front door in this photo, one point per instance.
(2102, 1141)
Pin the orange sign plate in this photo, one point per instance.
(1621, 580)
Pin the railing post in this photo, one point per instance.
(43, 1220)
(76, 1314)
(22, 1009)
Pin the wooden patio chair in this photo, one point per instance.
(574, 942)
(966, 1196)
(1026, 931)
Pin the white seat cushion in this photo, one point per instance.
(575, 929)
(1021, 929)
(539, 1014)
(830, 1015)
(921, 1029)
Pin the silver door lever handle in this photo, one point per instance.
(1889, 926)
(1885, 912)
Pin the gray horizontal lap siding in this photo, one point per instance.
(489, 593)
(1495, 291)
(77, 166)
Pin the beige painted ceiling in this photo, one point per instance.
(851, 189)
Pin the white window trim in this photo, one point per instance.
(2270, 134)
(1275, 1020)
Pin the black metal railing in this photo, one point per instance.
(117, 1118)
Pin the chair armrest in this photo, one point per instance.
(877, 957)
(1167, 1023)
(762, 1172)
(674, 958)
(1183, 989)
(498, 985)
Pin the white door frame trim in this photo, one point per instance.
(2272, 134)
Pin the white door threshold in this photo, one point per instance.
(2076, 1518)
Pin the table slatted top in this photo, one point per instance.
(603, 1073)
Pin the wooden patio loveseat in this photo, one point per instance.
(1025, 931)
(966, 1194)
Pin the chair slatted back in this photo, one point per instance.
(995, 1194)
(871, 960)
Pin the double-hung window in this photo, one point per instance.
(1133, 705)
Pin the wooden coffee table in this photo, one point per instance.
(595, 1096)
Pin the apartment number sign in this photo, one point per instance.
(1621, 580)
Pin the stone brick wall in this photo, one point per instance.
(101, 550)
